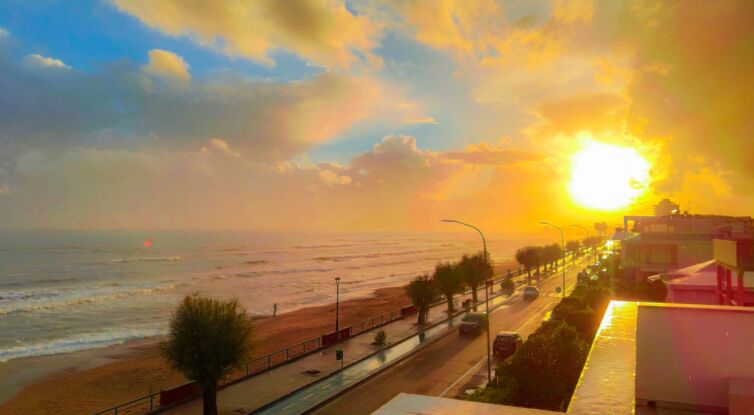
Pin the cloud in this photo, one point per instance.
(218, 145)
(593, 111)
(486, 154)
(166, 63)
(120, 104)
(3, 32)
(420, 120)
(44, 62)
(330, 178)
(324, 32)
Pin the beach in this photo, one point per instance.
(135, 369)
(88, 381)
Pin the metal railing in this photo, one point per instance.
(271, 360)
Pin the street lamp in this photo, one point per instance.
(585, 229)
(337, 301)
(562, 247)
(486, 293)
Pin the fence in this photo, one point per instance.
(269, 361)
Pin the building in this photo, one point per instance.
(666, 208)
(647, 358)
(657, 244)
(727, 279)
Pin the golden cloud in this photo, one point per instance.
(321, 31)
(166, 63)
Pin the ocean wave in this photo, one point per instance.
(341, 258)
(252, 274)
(45, 300)
(78, 342)
(321, 246)
(145, 259)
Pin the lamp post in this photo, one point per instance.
(562, 247)
(486, 293)
(584, 228)
(337, 303)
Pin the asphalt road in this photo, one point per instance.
(451, 364)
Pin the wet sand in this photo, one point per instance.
(89, 381)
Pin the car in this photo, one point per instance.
(531, 293)
(473, 323)
(582, 278)
(506, 343)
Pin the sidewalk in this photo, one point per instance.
(255, 392)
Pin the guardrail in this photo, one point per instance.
(269, 361)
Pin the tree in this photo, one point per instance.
(208, 339)
(573, 247)
(547, 366)
(422, 291)
(527, 257)
(539, 255)
(449, 282)
(552, 253)
(475, 270)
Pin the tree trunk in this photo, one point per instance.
(473, 296)
(209, 397)
(528, 276)
(449, 298)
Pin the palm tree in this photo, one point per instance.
(422, 292)
(448, 280)
(475, 270)
(208, 339)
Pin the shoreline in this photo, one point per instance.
(90, 380)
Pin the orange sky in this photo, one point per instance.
(374, 115)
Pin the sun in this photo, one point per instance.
(606, 176)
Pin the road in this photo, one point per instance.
(451, 364)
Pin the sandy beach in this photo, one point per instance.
(88, 381)
(85, 382)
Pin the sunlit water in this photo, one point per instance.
(62, 291)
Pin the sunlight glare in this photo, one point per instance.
(606, 176)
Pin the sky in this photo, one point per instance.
(371, 115)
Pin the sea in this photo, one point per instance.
(65, 291)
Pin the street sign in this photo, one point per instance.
(339, 356)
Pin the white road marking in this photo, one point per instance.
(477, 364)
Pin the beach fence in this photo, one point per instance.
(179, 394)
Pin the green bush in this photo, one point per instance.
(579, 316)
(547, 367)
(507, 286)
(544, 371)
(489, 394)
(380, 338)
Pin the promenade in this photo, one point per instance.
(258, 391)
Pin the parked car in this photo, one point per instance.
(506, 343)
(473, 323)
(531, 293)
